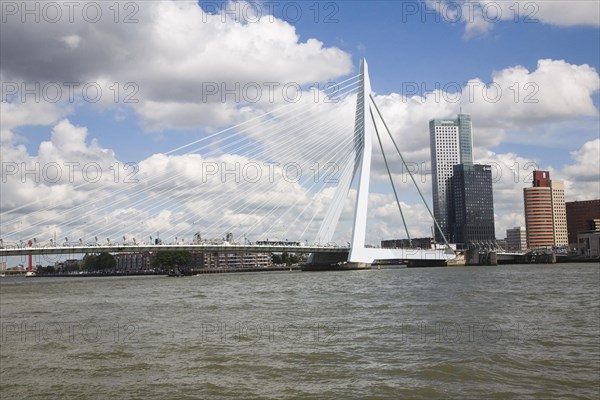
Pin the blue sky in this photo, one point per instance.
(175, 48)
(400, 48)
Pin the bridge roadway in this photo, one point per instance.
(215, 248)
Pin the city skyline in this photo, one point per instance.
(525, 129)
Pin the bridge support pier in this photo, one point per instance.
(332, 262)
(479, 257)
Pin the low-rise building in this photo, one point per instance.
(237, 260)
(133, 262)
(588, 244)
(516, 239)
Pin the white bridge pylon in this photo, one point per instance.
(361, 170)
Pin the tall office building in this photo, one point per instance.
(471, 205)
(465, 138)
(545, 212)
(451, 143)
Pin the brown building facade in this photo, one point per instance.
(538, 217)
(580, 218)
(545, 212)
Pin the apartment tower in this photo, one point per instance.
(545, 212)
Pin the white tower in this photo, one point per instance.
(361, 169)
(362, 164)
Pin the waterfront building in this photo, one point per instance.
(70, 265)
(588, 244)
(545, 212)
(516, 239)
(501, 244)
(133, 262)
(450, 144)
(237, 260)
(142, 262)
(538, 217)
(559, 213)
(582, 216)
(471, 205)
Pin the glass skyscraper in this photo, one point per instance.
(471, 205)
(465, 138)
(451, 143)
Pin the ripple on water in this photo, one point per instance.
(326, 335)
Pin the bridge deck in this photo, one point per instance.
(229, 248)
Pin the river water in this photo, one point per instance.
(528, 331)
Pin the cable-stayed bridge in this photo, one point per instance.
(254, 191)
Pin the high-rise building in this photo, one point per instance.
(559, 213)
(581, 217)
(516, 239)
(538, 217)
(471, 205)
(545, 214)
(450, 144)
(465, 138)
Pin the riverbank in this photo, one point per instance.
(163, 273)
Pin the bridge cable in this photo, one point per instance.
(387, 167)
(317, 145)
(147, 188)
(218, 195)
(172, 151)
(309, 189)
(409, 172)
(314, 197)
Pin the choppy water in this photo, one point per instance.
(461, 333)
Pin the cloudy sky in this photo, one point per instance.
(120, 119)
